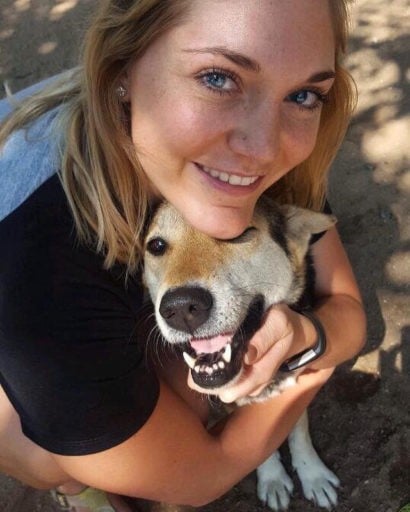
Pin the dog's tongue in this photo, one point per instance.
(209, 345)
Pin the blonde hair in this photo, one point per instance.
(306, 184)
(103, 180)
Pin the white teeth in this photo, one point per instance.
(227, 353)
(232, 179)
(248, 181)
(235, 180)
(190, 361)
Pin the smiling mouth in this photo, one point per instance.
(224, 177)
(222, 361)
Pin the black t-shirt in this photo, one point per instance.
(70, 360)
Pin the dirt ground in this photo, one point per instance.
(361, 421)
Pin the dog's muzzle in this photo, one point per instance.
(186, 308)
(218, 359)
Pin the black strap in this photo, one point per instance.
(311, 354)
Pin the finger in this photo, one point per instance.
(253, 378)
(252, 355)
(276, 326)
(241, 390)
(256, 392)
(259, 374)
(246, 386)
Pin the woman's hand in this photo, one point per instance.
(282, 334)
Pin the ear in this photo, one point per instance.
(303, 223)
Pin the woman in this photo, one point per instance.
(207, 104)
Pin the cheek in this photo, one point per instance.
(187, 129)
(171, 125)
(301, 137)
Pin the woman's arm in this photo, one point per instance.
(174, 459)
(339, 305)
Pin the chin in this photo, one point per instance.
(220, 222)
(221, 234)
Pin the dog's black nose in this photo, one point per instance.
(186, 308)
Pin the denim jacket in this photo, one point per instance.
(29, 158)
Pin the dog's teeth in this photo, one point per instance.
(221, 365)
(215, 366)
(190, 361)
(209, 370)
(197, 368)
(227, 353)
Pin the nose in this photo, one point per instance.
(186, 308)
(257, 133)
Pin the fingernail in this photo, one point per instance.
(251, 355)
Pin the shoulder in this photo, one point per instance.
(29, 157)
(69, 324)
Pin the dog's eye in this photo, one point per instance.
(157, 246)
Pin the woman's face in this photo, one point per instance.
(228, 102)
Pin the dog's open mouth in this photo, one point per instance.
(216, 361)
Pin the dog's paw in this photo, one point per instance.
(274, 485)
(319, 484)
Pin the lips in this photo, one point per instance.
(225, 177)
(216, 361)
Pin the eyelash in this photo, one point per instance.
(321, 96)
(222, 73)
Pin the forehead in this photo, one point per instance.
(268, 29)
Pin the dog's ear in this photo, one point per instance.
(302, 223)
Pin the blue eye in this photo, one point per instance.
(307, 99)
(219, 81)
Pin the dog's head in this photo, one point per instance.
(210, 295)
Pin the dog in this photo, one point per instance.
(210, 297)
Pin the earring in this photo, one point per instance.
(121, 91)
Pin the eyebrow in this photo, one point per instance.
(235, 57)
(252, 65)
(322, 76)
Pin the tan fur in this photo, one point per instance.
(233, 271)
(235, 274)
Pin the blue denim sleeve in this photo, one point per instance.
(6, 104)
(29, 157)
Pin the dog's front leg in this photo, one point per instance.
(274, 485)
(317, 480)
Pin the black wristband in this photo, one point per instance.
(310, 354)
